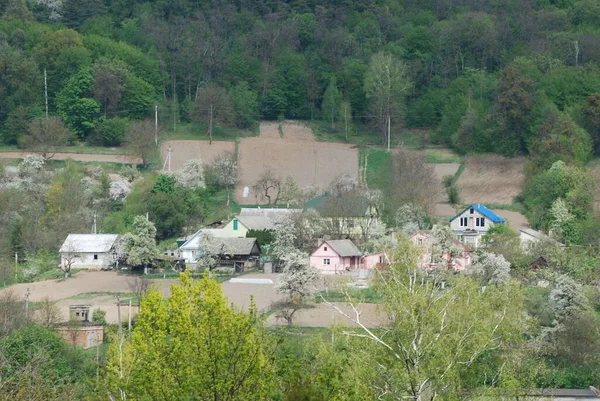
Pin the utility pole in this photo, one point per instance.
(46, 92)
(389, 128)
(94, 226)
(346, 120)
(210, 126)
(27, 293)
(16, 267)
(156, 124)
(169, 155)
(119, 316)
(129, 324)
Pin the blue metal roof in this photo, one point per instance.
(484, 211)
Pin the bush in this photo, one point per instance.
(111, 132)
(453, 196)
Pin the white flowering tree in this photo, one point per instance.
(566, 299)
(493, 268)
(139, 246)
(210, 251)
(411, 218)
(191, 175)
(227, 171)
(561, 219)
(443, 244)
(297, 283)
(119, 189)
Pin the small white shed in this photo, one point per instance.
(88, 251)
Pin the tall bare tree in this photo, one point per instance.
(212, 105)
(386, 83)
(45, 136)
(268, 187)
(140, 139)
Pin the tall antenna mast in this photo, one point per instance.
(46, 92)
(156, 124)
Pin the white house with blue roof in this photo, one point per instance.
(474, 221)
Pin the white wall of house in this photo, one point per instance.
(235, 229)
(84, 260)
(473, 220)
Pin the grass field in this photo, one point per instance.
(198, 131)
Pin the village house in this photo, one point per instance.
(234, 252)
(456, 262)
(336, 257)
(473, 222)
(257, 219)
(89, 251)
(349, 216)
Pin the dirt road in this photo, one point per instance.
(79, 157)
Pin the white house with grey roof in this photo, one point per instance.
(230, 249)
(89, 251)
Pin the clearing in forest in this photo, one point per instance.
(491, 179)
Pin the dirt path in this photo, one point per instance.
(79, 157)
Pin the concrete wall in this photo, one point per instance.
(85, 336)
(88, 260)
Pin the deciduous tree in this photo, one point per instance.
(46, 136)
(139, 246)
(192, 345)
(227, 171)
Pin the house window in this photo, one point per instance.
(464, 221)
(471, 211)
(420, 241)
(235, 225)
(381, 259)
(193, 253)
(480, 222)
(325, 248)
(326, 261)
(95, 257)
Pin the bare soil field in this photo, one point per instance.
(182, 151)
(515, 220)
(491, 179)
(79, 157)
(98, 289)
(310, 163)
(443, 169)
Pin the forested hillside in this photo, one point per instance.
(510, 77)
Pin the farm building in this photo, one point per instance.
(346, 216)
(79, 330)
(528, 237)
(234, 252)
(457, 262)
(336, 256)
(473, 222)
(89, 251)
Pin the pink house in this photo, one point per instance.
(375, 260)
(336, 257)
(459, 262)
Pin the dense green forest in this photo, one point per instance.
(509, 77)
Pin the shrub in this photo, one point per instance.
(453, 196)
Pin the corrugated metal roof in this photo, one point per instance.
(89, 243)
(344, 247)
(238, 246)
(484, 211)
(264, 219)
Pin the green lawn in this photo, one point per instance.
(367, 295)
(198, 131)
(378, 162)
(76, 149)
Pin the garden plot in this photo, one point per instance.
(491, 179)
